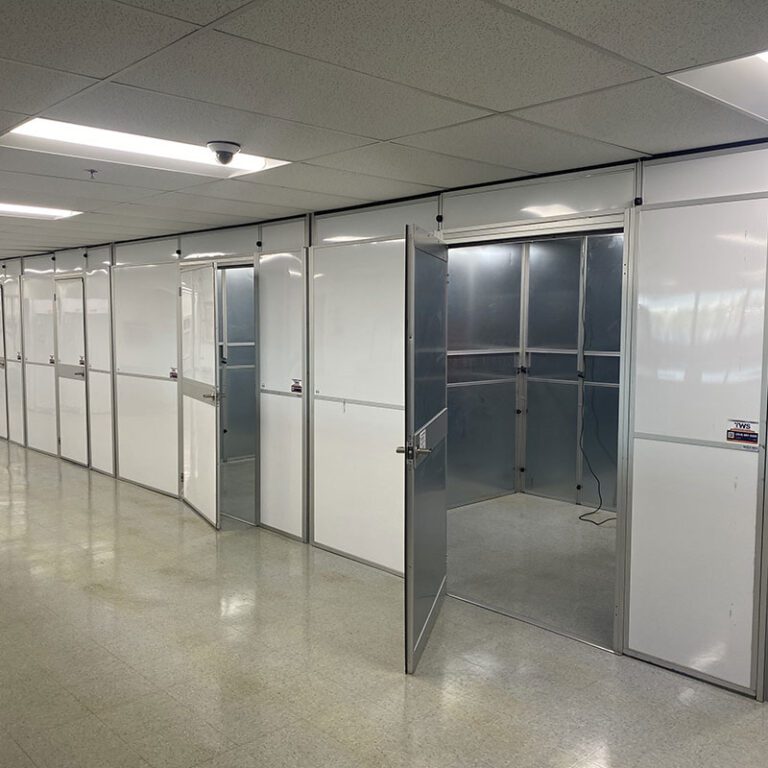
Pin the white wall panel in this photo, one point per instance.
(733, 173)
(145, 319)
(220, 244)
(148, 252)
(73, 427)
(3, 409)
(200, 470)
(359, 481)
(375, 222)
(281, 463)
(701, 274)
(359, 323)
(100, 408)
(148, 438)
(12, 306)
(41, 407)
(284, 236)
(542, 198)
(97, 309)
(13, 372)
(71, 262)
(281, 320)
(692, 558)
(37, 294)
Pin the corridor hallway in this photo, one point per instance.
(132, 635)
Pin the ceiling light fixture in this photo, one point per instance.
(35, 212)
(55, 137)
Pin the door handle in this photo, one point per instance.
(211, 396)
(422, 451)
(80, 373)
(51, 359)
(401, 449)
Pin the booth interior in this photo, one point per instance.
(521, 395)
(534, 354)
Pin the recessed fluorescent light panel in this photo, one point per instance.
(58, 138)
(34, 212)
(742, 83)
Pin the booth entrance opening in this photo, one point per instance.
(219, 375)
(534, 340)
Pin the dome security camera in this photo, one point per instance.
(224, 150)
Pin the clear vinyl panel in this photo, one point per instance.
(239, 412)
(600, 445)
(484, 294)
(553, 293)
(551, 440)
(199, 391)
(40, 383)
(71, 370)
(15, 385)
(426, 417)
(481, 442)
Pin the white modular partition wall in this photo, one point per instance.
(358, 306)
(14, 367)
(145, 306)
(39, 353)
(98, 327)
(699, 391)
(282, 391)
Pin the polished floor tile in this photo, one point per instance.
(132, 635)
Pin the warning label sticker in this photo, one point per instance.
(743, 433)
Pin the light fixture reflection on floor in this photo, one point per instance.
(35, 212)
(69, 139)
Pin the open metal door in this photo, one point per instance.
(426, 431)
(71, 382)
(200, 391)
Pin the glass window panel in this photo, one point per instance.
(484, 296)
(552, 366)
(602, 312)
(244, 355)
(604, 370)
(551, 440)
(481, 442)
(600, 444)
(464, 368)
(553, 297)
(241, 321)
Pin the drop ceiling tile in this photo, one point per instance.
(506, 141)
(64, 193)
(88, 37)
(10, 120)
(120, 107)
(395, 161)
(180, 201)
(470, 50)
(170, 216)
(336, 182)
(196, 11)
(661, 34)
(652, 116)
(273, 82)
(26, 88)
(249, 192)
(43, 164)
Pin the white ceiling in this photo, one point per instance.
(370, 100)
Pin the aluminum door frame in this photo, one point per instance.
(194, 393)
(416, 638)
(70, 374)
